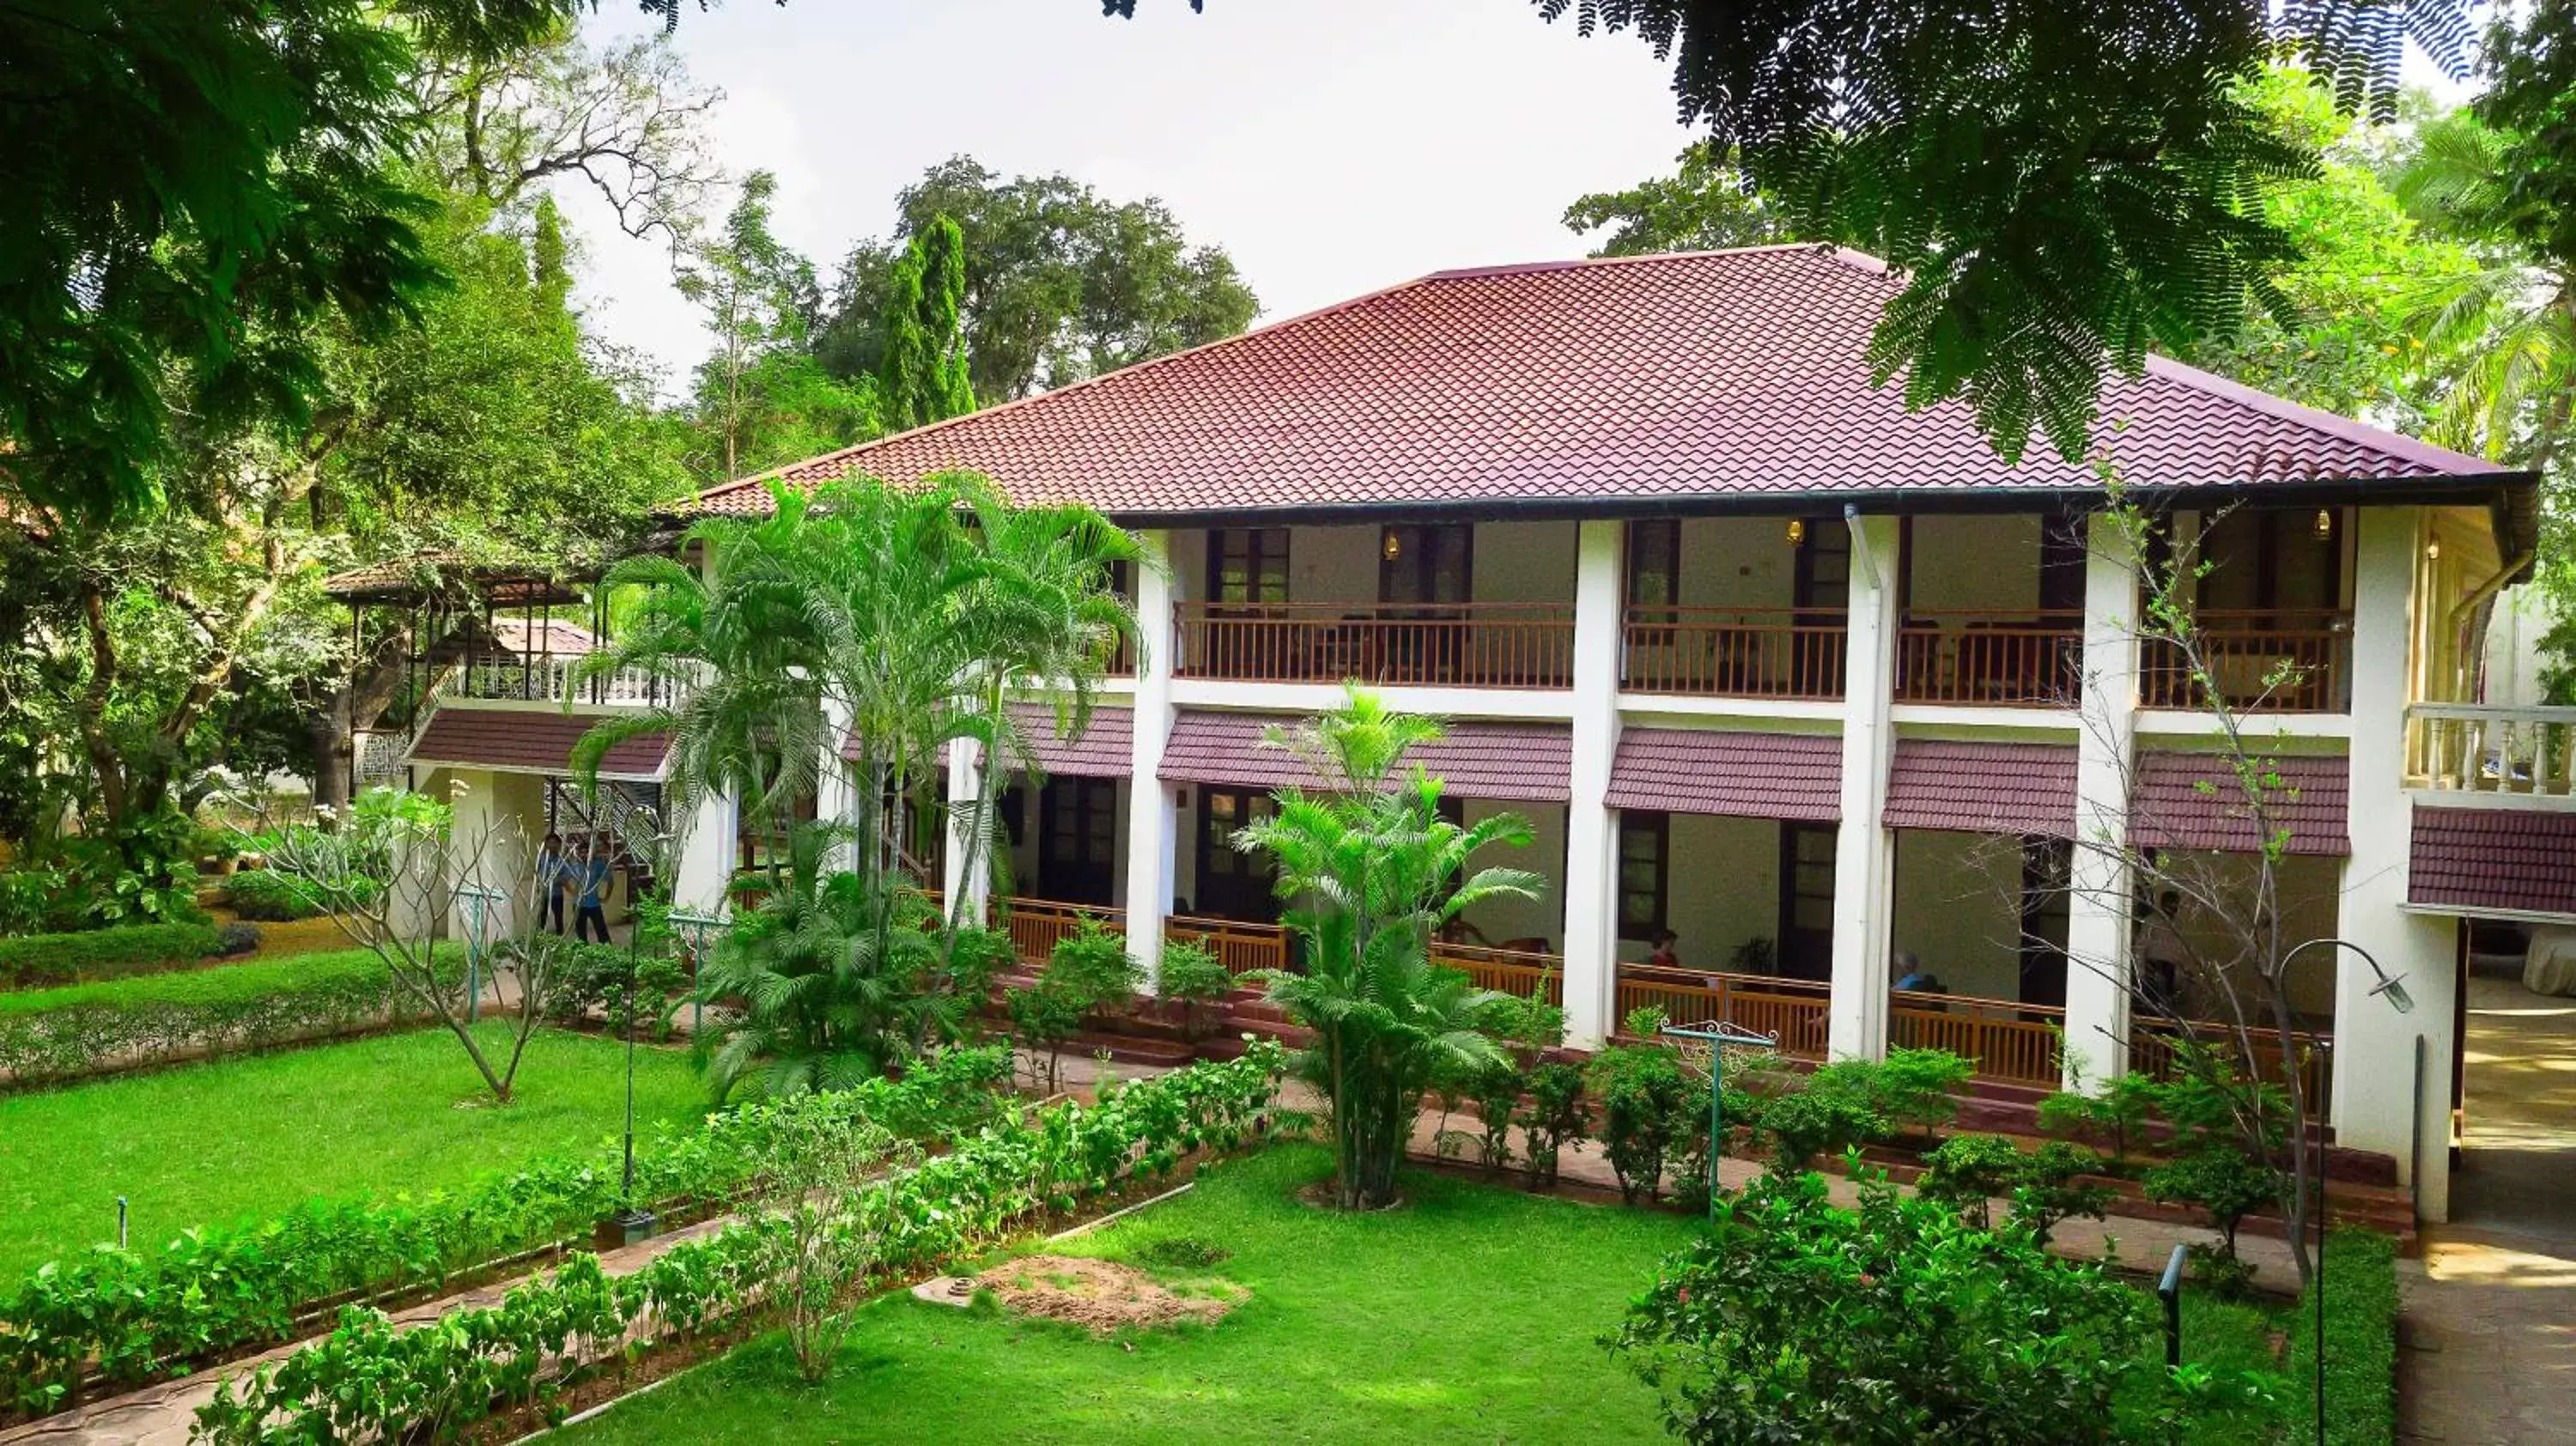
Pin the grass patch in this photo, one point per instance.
(249, 1137)
(228, 984)
(2361, 1344)
(1467, 1315)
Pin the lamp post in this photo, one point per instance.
(1719, 1033)
(2391, 987)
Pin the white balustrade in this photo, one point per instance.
(2491, 748)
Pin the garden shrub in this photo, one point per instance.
(2361, 1343)
(2045, 1185)
(269, 898)
(586, 977)
(1553, 1120)
(235, 940)
(1195, 979)
(51, 1035)
(2113, 1117)
(1805, 1123)
(1092, 966)
(367, 1380)
(1896, 1322)
(1647, 1105)
(35, 960)
(1495, 1090)
(141, 1313)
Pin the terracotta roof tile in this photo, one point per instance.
(1719, 375)
(2516, 860)
(1794, 776)
(2014, 788)
(2171, 811)
(529, 740)
(1102, 750)
(1507, 762)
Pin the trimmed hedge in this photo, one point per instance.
(369, 1380)
(268, 898)
(51, 1035)
(2361, 1345)
(134, 1315)
(34, 960)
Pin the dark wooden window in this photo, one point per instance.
(1425, 563)
(2062, 562)
(2047, 872)
(1248, 565)
(1655, 564)
(1823, 572)
(1807, 899)
(1645, 860)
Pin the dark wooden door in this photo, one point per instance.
(1232, 884)
(1807, 900)
(1078, 833)
(2046, 876)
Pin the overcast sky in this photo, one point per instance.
(1333, 146)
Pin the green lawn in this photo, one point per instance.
(204, 1143)
(1468, 1315)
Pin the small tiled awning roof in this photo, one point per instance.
(1793, 776)
(529, 740)
(2171, 810)
(2014, 788)
(1104, 748)
(2502, 860)
(1509, 762)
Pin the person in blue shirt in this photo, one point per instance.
(590, 879)
(553, 872)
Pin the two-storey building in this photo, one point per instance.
(1815, 683)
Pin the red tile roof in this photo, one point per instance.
(2512, 860)
(1509, 762)
(2015, 788)
(1102, 750)
(529, 740)
(1793, 776)
(1655, 381)
(2170, 810)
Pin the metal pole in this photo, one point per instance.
(2169, 1290)
(1719, 1034)
(120, 1222)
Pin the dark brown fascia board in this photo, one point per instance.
(2377, 491)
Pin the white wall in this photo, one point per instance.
(1743, 562)
(2522, 614)
(1958, 908)
(1525, 562)
(1333, 565)
(1539, 918)
(1974, 563)
(1721, 888)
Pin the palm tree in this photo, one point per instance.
(1046, 612)
(1376, 871)
(2509, 325)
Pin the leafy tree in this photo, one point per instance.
(2060, 187)
(194, 188)
(921, 375)
(760, 301)
(1059, 282)
(1707, 205)
(1375, 872)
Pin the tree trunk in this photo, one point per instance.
(335, 755)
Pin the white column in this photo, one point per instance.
(479, 854)
(965, 779)
(707, 847)
(1151, 833)
(1864, 848)
(1591, 826)
(2376, 1103)
(2101, 886)
(836, 794)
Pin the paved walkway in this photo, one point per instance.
(2491, 1309)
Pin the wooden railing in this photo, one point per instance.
(2152, 1051)
(1240, 947)
(2020, 1043)
(1512, 971)
(2491, 748)
(1734, 652)
(1036, 924)
(1469, 645)
(2279, 660)
(1791, 1011)
(1990, 659)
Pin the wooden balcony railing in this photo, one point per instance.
(2021, 1043)
(2491, 748)
(2152, 1051)
(2280, 660)
(1734, 652)
(1509, 970)
(1240, 947)
(1466, 645)
(1791, 1011)
(1036, 924)
(1990, 659)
